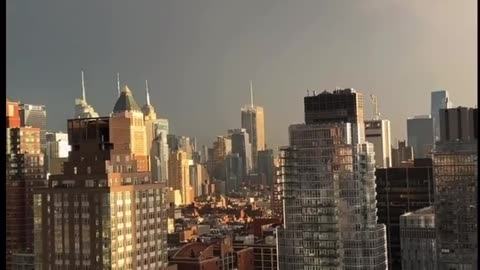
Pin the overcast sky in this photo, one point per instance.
(199, 56)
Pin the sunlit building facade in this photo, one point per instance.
(253, 122)
(104, 211)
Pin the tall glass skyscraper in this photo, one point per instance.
(328, 188)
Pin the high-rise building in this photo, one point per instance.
(179, 175)
(417, 237)
(420, 135)
(401, 190)
(233, 172)
(458, 124)
(439, 100)
(200, 179)
(455, 167)
(183, 143)
(82, 108)
(24, 173)
(328, 186)
(242, 146)
(221, 148)
(149, 115)
(343, 105)
(56, 151)
(96, 214)
(266, 166)
(253, 122)
(401, 154)
(204, 155)
(378, 133)
(35, 116)
(159, 151)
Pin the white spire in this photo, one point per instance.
(148, 94)
(83, 89)
(251, 93)
(118, 83)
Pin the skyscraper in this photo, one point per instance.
(24, 173)
(266, 166)
(420, 135)
(458, 124)
(401, 154)
(179, 175)
(35, 116)
(233, 172)
(199, 179)
(455, 165)
(343, 105)
(401, 190)
(328, 188)
(149, 116)
(378, 133)
(159, 151)
(417, 236)
(96, 214)
(439, 100)
(82, 108)
(221, 148)
(254, 123)
(242, 146)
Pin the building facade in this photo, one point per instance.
(266, 166)
(105, 211)
(159, 152)
(328, 190)
(459, 124)
(401, 190)
(233, 173)
(401, 154)
(179, 175)
(439, 100)
(417, 237)
(241, 145)
(35, 116)
(25, 172)
(420, 135)
(253, 121)
(455, 170)
(378, 133)
(57, 149)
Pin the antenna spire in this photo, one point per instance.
(118, 83)
(251, 93)
(83, 89)
(148, 94)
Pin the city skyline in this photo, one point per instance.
(203, 60)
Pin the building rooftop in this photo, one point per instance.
(126, 102)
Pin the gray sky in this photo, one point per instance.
(199, 56)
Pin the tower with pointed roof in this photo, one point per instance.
(149, 117)
(128, 133)
(82, 108)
